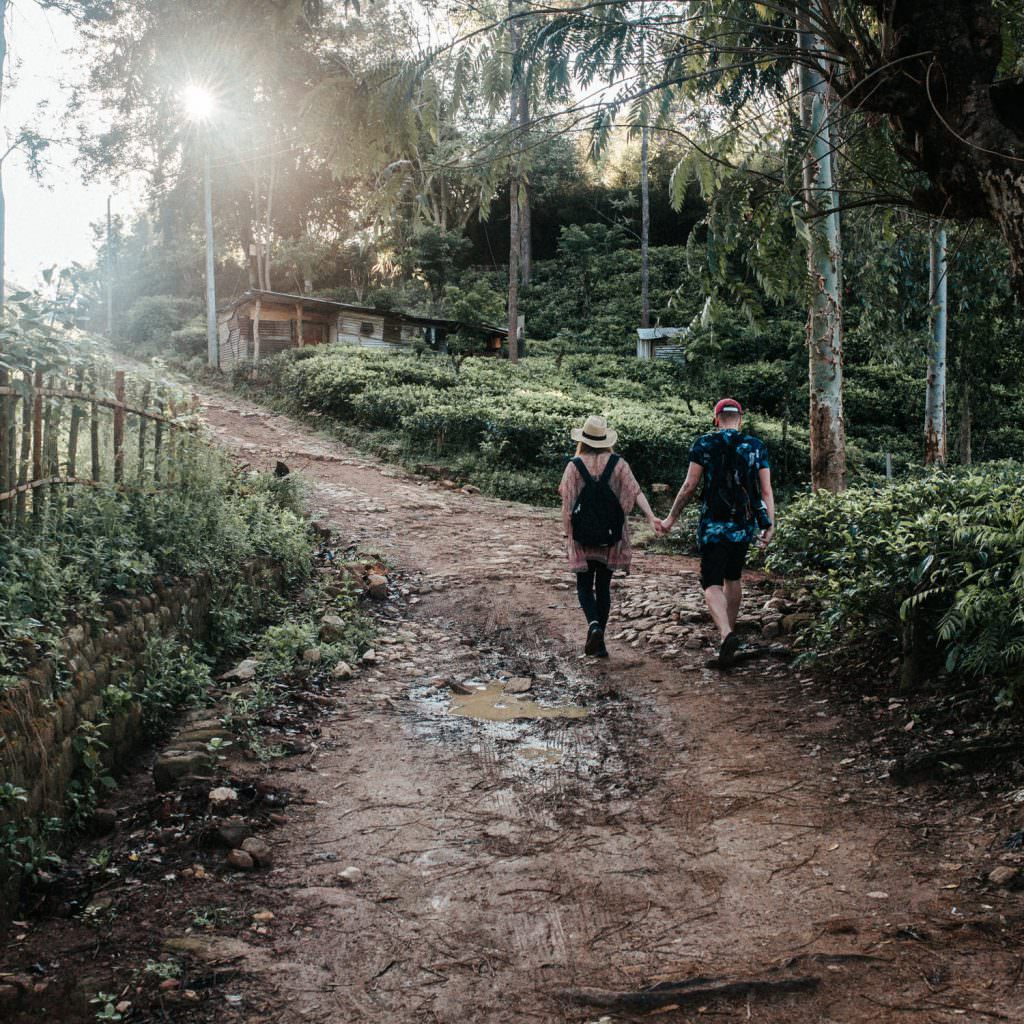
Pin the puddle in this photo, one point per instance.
(539, 753)
(492, 704)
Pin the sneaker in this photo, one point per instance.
(727, 652)
(595, 639)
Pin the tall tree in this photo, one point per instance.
(935, 395)
(941, 84)
(515, 252)
(824, 255)
(645, 228)
(525, 198)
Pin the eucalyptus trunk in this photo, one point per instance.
(525, 211)
(935, 395)
(515, 241)
(645, 229)
(515, 232)
(824, 257)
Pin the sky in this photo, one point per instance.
(47, 222)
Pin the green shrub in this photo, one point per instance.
(190, 340)
(933, 567)
(153, 319)
(214, 521)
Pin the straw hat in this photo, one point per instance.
(596, 433)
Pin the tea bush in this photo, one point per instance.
(507, 428)
(933, 567)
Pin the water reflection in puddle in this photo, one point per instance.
(491, 704)
(539, 753)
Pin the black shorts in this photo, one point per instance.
(720, 561)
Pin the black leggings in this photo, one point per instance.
(594, 588)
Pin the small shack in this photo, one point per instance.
(661, 343)
(259, 324)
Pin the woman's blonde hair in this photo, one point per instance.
(582, 448)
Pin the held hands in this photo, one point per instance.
(663, 526)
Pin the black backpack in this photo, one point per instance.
(732, 491)
(597, 516)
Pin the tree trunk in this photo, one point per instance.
(935, 396)
(515, 236)
(825, 315)
(525, 215)
(513, 271)
(965, 424)
(645, 230)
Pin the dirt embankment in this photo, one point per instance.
(681, 823)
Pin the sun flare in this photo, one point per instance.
(198, 102)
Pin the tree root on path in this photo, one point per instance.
(684, 993)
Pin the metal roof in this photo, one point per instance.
(311, 302)
(660, 333)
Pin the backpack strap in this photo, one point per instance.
(610, 468)
(581, 466)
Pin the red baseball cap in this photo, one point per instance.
(728, 405)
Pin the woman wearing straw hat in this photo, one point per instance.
(593, 482)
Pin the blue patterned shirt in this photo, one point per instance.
(751, 449)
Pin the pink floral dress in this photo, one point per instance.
(624, 487)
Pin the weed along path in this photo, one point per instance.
(552, 855)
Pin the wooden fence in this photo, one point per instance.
(84, 427)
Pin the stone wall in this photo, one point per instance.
(44, 709)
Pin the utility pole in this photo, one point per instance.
(110, 275)
(4, 4)
(212, 343)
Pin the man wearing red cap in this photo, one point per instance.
(737, 505)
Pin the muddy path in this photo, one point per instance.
(691, 823)
(668, 822)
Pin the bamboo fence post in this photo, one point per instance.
(6, 422)
(51, 445)
(76, 422)
(142, 435)
(50, 408)
(47, 453)
(37, 445)
(25, 452)
(12, 448)
(4, 468)
(158, 441)
(172, 441)
(119, 427)
(94, 431)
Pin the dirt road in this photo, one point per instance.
(625, 823)
(690, 823)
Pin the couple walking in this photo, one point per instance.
(599, 490)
